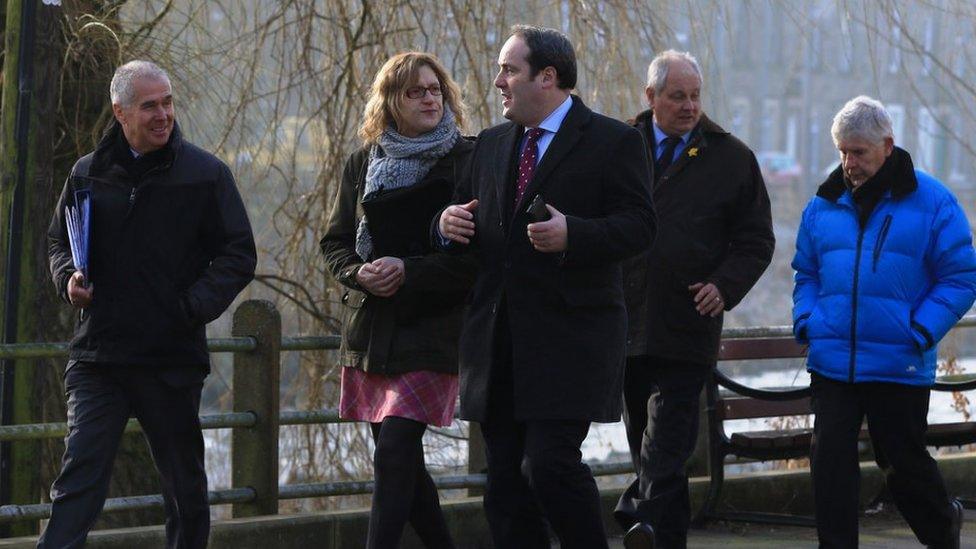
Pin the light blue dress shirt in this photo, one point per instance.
(551, 124)
(660, 136)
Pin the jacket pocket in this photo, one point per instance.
(879, 244)
(591, 297)
(590, 288)
(356, 320)
(921, 337)
(682, 316)
(160, 304)
(813, 327)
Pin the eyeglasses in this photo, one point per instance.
(417, 92)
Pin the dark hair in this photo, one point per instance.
(549, 48)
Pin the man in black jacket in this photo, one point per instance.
(170, 248)
(714, 241)
(542, 348)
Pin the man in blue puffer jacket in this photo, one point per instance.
(884, 268)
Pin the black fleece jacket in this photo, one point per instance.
(171, 247)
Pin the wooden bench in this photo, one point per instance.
(727, 400)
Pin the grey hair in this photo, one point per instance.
(657, 71)
(864, 118)
(122, 89)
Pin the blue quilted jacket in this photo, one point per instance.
(874, 301)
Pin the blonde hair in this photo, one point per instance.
(387, 92)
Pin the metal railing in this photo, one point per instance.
(948, 383)
(257, 344)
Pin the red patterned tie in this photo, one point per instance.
(527, 162)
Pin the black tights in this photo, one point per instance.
(404, 490)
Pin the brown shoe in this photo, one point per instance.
(640, 536)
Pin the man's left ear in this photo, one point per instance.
(119, 113)
(889, 144)
(549, 76)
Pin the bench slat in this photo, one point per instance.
(769, 347)
(750, 408)
(951, 434)
(778, 439)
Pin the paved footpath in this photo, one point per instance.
(882, 532)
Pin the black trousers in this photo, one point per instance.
(101, 397)
(535, 472)
(896, 416)
(661, 410)
(404, 490)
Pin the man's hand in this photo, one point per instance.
(78, 294)
(457, 222)
(383, 277)
(708, 300)
(549, 236)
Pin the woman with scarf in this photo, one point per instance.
(403, 301)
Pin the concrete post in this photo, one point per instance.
(254, 457)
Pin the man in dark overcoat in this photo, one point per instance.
(170, 248)
(542, 348)
(714, 240)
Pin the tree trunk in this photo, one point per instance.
(33, 52)
(60, 129)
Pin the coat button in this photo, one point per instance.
(493, 308)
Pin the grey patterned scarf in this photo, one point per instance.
(397, 161)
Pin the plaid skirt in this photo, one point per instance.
(427, 397)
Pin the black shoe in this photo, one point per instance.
(955, 527)
(640, 536)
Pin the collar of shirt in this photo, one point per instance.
(135, 153)
(660, 136)
(551, 124)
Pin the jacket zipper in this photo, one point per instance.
(857, 273)
(880, 243)
(135, 188)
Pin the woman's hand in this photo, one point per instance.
(383, 277)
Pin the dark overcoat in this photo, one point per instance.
(714, 225)
(565, 311)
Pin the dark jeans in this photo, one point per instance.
(535, 472)
(101, 397)
(897, 423)
(404, 490)
(661, 410)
